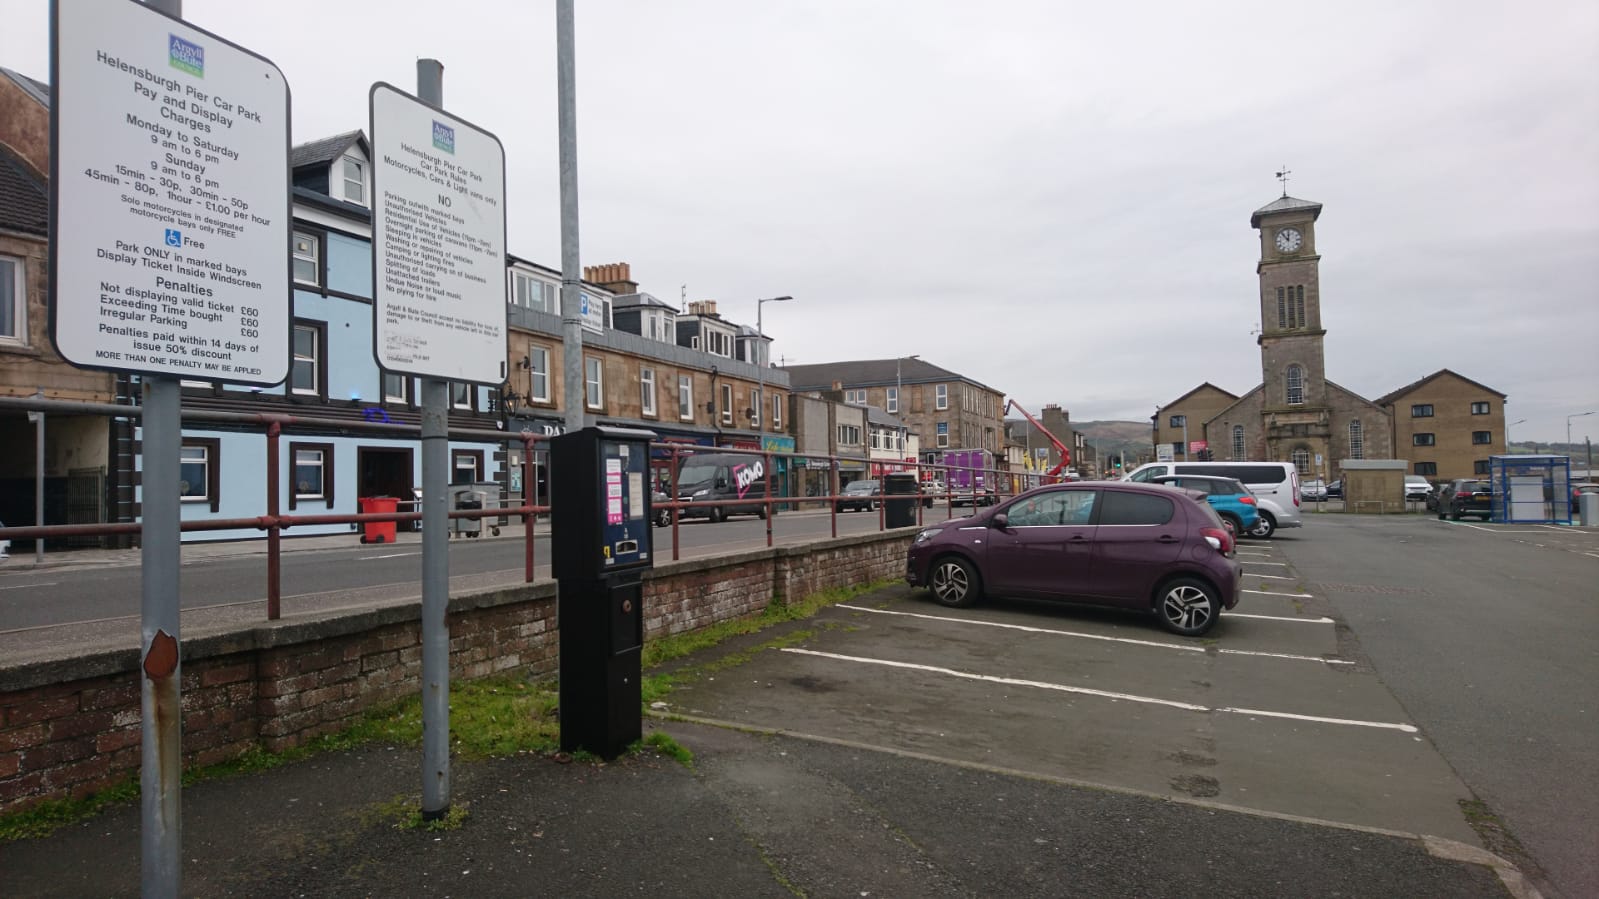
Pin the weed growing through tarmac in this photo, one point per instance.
(665, 745)
(49, 816)
(405, 813)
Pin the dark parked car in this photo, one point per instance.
(968, 496)
(662, 517)
(1466, 496)
(859, 496)
(1144, 547)
(1335, 489)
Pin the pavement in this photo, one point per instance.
(24, 560)
(760, 811)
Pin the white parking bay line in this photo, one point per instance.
(1183, 647)
(1026, 628)
(1086, 691)
(389, 556)
(1242, 553)
(1278, 564)
(1282, 655)
(1280, 618)
(1407, 728)
(26, 586)
(1269, 593)
(1274, 577)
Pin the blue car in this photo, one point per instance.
(1228, 496)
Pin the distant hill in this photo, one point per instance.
(1125, 431)
(1129, 439)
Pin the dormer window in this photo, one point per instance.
(352, 176)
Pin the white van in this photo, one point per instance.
(1276, 484)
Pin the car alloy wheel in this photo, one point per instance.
(955, 583)
(1187, 607)
(1264, 527)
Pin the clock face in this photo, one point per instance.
(1288, 240)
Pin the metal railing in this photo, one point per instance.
(998, 484)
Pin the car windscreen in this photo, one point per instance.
(696, 472)
(860, 487)
(1475, 487)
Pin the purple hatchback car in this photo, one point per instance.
(1145, 547)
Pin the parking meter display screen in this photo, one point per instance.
(625, 524)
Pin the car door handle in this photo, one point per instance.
(1167, 538)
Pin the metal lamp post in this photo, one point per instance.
(760, 366)
(899, 385)
(1507, 433)
(1568, 425)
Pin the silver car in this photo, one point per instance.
(1274, 515)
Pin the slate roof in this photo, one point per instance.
(324, 151)
(1388, 398)
(1190, 393)
(877, 416)
(1285, 204)
(870, 373)
(24, 200)
(639, 300)
(37, 89)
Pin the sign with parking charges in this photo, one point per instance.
(169, 184)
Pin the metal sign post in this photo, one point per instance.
(438, 276)
(169, 231)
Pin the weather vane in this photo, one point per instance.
(1283, 177)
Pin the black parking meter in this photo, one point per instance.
(600, 508)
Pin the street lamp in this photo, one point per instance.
(1568, 425)
(1507, 433)
(760, 362)
(899, 386)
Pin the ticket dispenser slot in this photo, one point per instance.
(600, 506)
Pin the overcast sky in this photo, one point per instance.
(1051, 198)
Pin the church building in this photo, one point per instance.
(1296, 414)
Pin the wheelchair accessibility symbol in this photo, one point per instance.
(174, 237)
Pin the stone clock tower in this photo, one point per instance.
(1295, 404)
(1295, 414)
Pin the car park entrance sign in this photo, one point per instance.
(169, 212)
(438, 233)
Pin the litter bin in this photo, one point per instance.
(1589, 506)
(900, 495)
(378, 531)
(463, 498)
(493, 498)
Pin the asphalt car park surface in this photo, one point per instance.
(1265, 714)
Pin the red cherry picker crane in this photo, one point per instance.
(1054, 474)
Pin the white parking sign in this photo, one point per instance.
(438, 238)
(169, 231)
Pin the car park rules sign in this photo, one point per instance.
(438, 238)
(169, 183)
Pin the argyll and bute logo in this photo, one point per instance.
(443, 137)
(185, 56)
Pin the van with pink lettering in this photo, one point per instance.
(724, 484)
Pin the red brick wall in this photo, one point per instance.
(71, 727)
